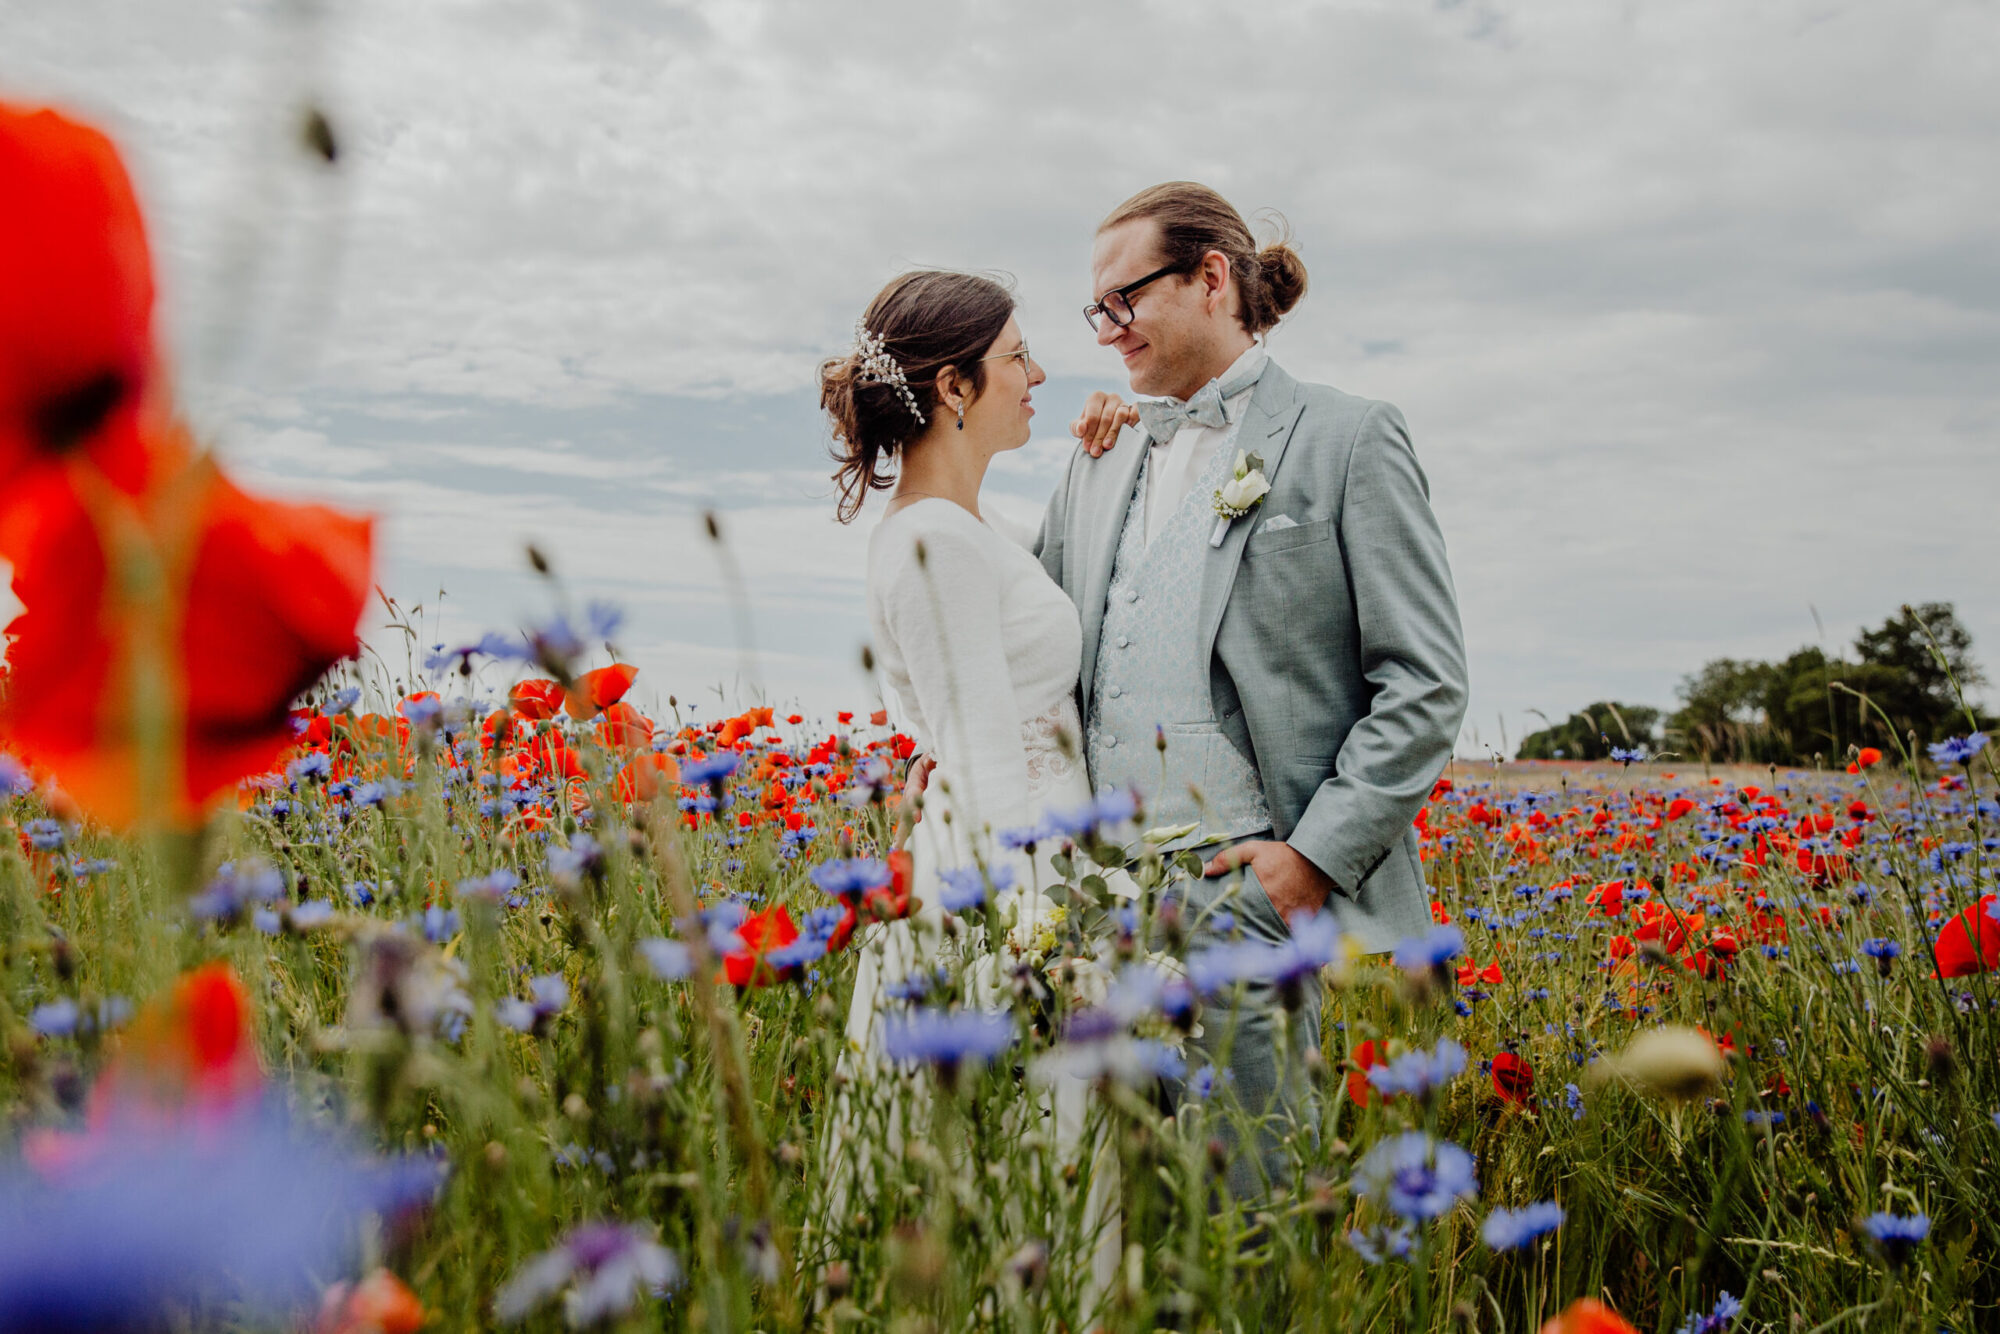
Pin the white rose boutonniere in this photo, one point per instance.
(1239, 495)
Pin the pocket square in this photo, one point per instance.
(1276, 522)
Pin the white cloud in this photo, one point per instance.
(1692, 308)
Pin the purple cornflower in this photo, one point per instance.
(711, 770)
(1573, 1099)
(670, 960)
(947, 1038)
(496, 886)
(1418, 1072)
(548, 995)
(14, 780)
(1958, 749)
(235, 890)
(603, 1266)
(851, 877)
(1430, 952)
(1506, 1229)
(1377, 1244)
(1725, 1310)
(1897, 1236)
(190, 1220)
(44, 835)
(1417, 1176)
(965, 887)
(582, 858)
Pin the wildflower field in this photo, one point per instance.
(470, 996)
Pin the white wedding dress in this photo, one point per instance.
(982, 651)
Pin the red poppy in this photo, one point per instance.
(263, 597)
(646, 776)
(1587, 1315)
(536, 699)
(1678, 807)
(379, 1304)
(761, 932)
(598, 690)
(1365, 1057)
(1470, 974)
(1970, 942)
(1513, 1078)
(625, 728)
(76, 354)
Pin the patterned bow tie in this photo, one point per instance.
(1164, 417)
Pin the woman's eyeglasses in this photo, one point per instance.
(1019, 354)
(1116, 304)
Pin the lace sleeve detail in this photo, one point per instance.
(1052, 744)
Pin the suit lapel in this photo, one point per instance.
(1267, 430)
(1098, 525)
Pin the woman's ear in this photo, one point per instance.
(951, 390)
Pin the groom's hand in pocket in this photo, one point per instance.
(1292, 883)
(1103, 417)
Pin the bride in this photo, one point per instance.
(981, 648)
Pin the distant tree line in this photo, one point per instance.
(1906, 676)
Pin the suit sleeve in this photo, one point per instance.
(1048, 546)
(1412, 655)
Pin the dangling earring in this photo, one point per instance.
(961, 416)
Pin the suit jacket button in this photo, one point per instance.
(1115, 691)
(1110, 742)
(1123, 642)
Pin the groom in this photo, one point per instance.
(1301, 662)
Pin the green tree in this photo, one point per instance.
(1590, 733)
(1917, 654)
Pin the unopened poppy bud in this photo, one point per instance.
(838, 1279)
(1939, 1056)
(316, 135)
(867, 658)
(713, 526)
(1218, 1156)
(923, 556)
(537, 559)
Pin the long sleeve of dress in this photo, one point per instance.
(944, 610)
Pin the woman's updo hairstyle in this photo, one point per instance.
(926, 320)
(1195, 220)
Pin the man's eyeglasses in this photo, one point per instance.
(1116, 304)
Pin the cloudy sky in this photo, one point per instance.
(1693, 307)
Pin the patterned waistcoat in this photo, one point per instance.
(1151, 680)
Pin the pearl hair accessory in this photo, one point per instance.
(877, 366)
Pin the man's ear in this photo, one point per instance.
(1214, 277)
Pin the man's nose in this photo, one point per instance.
(1108, 332)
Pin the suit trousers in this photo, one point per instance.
(1255, 1040)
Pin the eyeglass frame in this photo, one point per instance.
(1098, 307)
(1021, 353)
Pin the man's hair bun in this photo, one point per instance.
(1284, 277)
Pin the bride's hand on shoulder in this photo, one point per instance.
(1098, 425)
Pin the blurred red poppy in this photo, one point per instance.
(1970, 942)
(625, 728)
(1513, 1078)
(536, 699)
(1365, 1057)
(761, 932)
(596, 691)
(76, 353)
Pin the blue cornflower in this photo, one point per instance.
(711, 769)
(1377, 1244)
(309, 916)
(580, 859)
(368, 794)
(276, 1206)
(1897, 1236)
(423, 714)
(14, 779)
(1573, 1099)
(1763, 1120)
(1881, 947)
(1506, 1229)
(57, 1019)
(1417, 1176)
(1726, 1309)
(670, 960)
(362, 892)
(1429, 952)
(439, 924)
(340, 701)
(548, 995)
(1628, 757)
(805, 950)
(495, 885)
(947, 1038)
(1136, 1062)
(44, 835)
(604, 1267)
(1418, 1072)
(235, 890)
(850, 877)
(965, 887)
(1958, 749)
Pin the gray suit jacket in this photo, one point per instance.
(1336, 663)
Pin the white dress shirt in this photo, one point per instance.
(1172, 470)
